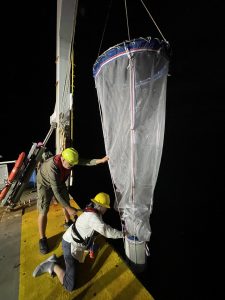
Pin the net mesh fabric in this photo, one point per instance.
(131, 89)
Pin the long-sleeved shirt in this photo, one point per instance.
(88, 222)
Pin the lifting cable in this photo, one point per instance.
(128, 30)
(153, 21)
(125, 2)
(106, 22)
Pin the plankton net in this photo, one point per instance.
(131, 81)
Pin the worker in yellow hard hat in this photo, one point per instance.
(102, 199)
(70, 157)
(78, 239)
(51, 178)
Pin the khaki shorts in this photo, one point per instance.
(44, 199)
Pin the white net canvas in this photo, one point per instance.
(131, 81)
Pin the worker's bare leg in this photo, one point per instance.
(42, 223)
(59, 272)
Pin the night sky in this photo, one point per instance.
(187, 219)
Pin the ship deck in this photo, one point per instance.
(106, 277)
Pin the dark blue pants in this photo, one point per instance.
(69, 279)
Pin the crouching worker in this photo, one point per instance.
(76, 239)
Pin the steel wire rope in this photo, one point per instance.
(153, 21)
(106, 22)
(128, 29)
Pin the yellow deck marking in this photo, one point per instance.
(105, 277)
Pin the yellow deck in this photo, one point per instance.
(105, 277)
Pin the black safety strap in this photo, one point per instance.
(81, 240)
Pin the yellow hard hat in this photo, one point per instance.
(71, 156)
(102, 199)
